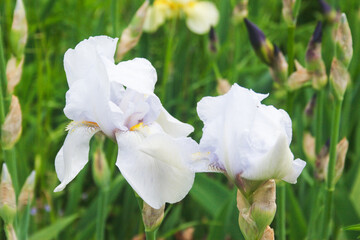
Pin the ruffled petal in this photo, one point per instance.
(78, 62)
(297, 167)
(137, 74)
(200, 16)
(74, 154)
(156, 166)
(173, 126)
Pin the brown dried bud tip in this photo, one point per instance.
(11, 130)
(343, 41)
(223, 86)
(322, 161)
(341, 151)
(7, 197)
(240, 11)
(152, 217)
(287, 11)
(27, 192)
(309, 109)
(298, 78)
(131, 35)
(13, 72)
(309, 146)
(339, 77)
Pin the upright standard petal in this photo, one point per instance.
(137, 74)
(247, 138)
(155, 164)
(200, 16)
(74, 154)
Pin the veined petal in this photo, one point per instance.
(155, 17)
(200, 16)
(137, 74)
(74, 154)
(155, 165)
(173, 126)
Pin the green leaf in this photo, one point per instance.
(210, 194)
(355, 227)
(53, 230)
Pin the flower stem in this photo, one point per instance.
(114, 17)
(151, 235)
(330, 185)
(290, 48)
(319, 120)
(101, 213)
(281, 220)
(3, 82)
(167, 61)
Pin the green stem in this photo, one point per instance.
(167, 61)
(290, 48)
(114, 17)
(281, 220)
(101, 213)
(11, 163)
(319, 120)
(330, 185)
(151, 235)
(3, 81)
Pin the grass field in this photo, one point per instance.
(187, 71)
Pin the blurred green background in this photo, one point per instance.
(210, 207)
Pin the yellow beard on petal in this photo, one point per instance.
(137, 126)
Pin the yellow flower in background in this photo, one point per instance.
(200, 15)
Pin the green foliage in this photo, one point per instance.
(210, 207)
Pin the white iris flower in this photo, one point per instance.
(119, 100)
(199, 15)
(247, 139)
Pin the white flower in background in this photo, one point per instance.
(247, 139)
(199, 15)
(118, 100)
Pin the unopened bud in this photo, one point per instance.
(131, 35)
(27, 192)
(329, 13)
(152, 217)
(268, 234)
(7, 197)
(101, 171)
(240, 11)
(322, 161)
(298, 78)
(279, 67)
(339, 78)
(257, 211)
(309, 146)
(264, 49)
(343, 41)
(11, 129)
(341, 150)
(310, 106)
(287, 11)
(19, 30)
(223, 86)
(13, 72)
(314, 63)
(213, 40)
